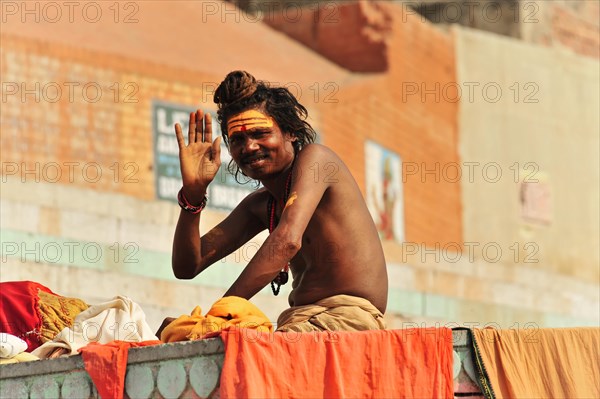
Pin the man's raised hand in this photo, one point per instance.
(200, 159)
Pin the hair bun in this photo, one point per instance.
(236, 86)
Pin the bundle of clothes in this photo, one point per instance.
(412, 363)
(43, 324)
(52, 325)
(48, 325)
(36, 323)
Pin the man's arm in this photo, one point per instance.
(199, 161)
(193, 253)
(286, 240)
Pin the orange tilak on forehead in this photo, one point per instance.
(248, 120)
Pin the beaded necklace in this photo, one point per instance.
(282, 277)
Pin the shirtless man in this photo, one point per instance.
(320, 225)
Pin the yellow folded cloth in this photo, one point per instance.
(20, 358)
(226, 312)
(57, 313)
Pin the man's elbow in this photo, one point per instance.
(183, 276)
(183, 273)
(293, 247)
(283, 243)
(289, 246)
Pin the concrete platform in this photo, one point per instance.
(177, 370)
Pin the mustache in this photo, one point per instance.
(250, 158)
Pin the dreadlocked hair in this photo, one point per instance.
(240, 91)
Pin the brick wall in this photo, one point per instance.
(329, 28)
(394, 110)
(404, 110)
(571, 25)
(80, 117)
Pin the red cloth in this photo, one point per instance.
(107, 363)
(19, 312)
(410, 363)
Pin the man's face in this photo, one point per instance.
(258, 145)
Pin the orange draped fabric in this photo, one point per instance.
(540, 363)
(107, 363)
(410, 363)
(226, 312)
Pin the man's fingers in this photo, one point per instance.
(207, 138)
(179, 135)
(198, 136)
(192, 128)
(216, 151)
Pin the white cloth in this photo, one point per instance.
(11, 346)
(119, 319)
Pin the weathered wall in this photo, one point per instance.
(567, 24)
(413, 110)
(537, 123)
(571, 25)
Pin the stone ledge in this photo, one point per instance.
(176, 370)
(136, 355)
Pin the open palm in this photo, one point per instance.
(200, 159)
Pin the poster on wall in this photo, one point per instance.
(224, 192)
(384, 191)
(536, 197)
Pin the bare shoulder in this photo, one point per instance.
(321, 163)
(317, 152)
(318, 159)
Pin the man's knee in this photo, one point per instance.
(164, 324)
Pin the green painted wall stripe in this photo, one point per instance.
(127, 258)
(131, 259)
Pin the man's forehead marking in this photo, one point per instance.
(248, 120)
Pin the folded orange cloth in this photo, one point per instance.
(539, 363)
(410, 363)
(226, 312)
(107, 363)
